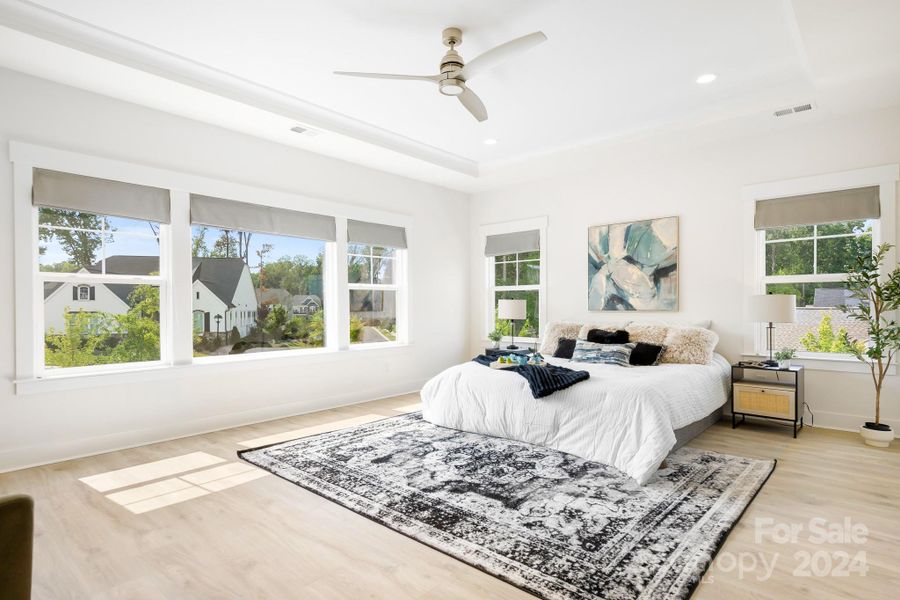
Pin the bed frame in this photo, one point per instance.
(689, 432)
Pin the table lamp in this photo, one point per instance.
(511, 310)
(772, 308)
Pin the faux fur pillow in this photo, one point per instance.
(648, 334)
(554, 332)
(689, 346)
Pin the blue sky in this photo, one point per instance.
(131, 237)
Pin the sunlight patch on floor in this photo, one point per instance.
(150, 471)
(286, 436)
(408, 408)
(161, 483)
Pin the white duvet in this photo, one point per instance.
(621, 416)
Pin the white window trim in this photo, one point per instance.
(885, 177)
(539, 223)
(176, 326)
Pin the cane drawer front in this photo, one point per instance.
(764, 400)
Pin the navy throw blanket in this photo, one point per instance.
(543, 381)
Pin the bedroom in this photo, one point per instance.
(137, 487)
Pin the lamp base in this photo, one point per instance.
(512, 347)
(770, 363)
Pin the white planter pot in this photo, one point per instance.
(879, 439)
(784, 364)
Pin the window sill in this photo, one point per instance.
(230, 363)
(826, 363)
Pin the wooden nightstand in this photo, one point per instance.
(493, 352)
(768, 393)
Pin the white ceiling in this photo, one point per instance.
(608, 69)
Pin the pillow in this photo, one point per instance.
(608, 354)
(610, 326)
(602, 336)
(564, 348)
(554, 332)
(648, 334)
(689, 345)
(646, 355)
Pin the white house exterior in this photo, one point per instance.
(303, 304)
(63, 298)
(223, 286)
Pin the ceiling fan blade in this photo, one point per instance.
(495, 56)
(473, 104)
(432, 78)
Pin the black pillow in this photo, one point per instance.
(601, 336)
(565, 348)
(645, 355)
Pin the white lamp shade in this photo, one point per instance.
(511, 310)
(772, 308)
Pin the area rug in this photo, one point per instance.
(550, 523)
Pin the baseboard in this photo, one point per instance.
(35, 456)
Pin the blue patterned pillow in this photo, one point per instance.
(609, 354)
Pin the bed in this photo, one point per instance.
(630, 418)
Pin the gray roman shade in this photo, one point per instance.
(230, 214)
(361, 232)
(511, 243)
(102, 196)
(813, 209)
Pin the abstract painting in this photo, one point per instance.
(633, 266)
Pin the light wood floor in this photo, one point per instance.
(266, 538)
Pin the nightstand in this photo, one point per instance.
(493, 352)
(768, 393)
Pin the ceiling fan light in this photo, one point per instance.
(452, 89)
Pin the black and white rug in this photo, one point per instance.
(548, 522)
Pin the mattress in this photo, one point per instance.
(624, 417)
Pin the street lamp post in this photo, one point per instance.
(218, 319)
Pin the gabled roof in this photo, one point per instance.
(306, 299)
(220, 276)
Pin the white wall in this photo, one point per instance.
(52, 426)
(699, 181)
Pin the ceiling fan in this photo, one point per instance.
(455, 73)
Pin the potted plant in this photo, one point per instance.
(877, 296)
(784, 357)
(495, 336)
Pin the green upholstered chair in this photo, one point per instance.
(16, 535)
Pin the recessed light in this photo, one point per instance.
(706, 78)
(490, 141)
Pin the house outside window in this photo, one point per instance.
(111, 262)
(237, 273)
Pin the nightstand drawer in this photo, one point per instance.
(764, 400)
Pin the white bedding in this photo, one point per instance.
(624, 417)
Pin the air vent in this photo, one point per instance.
(783, 112)
(304, 131)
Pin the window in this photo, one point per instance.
(101, 288)
(810, 262)
(98, 276)
(518, 277)
(373, 286)
(515, 271)
(252, 292)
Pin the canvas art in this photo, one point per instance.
(633, 266)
